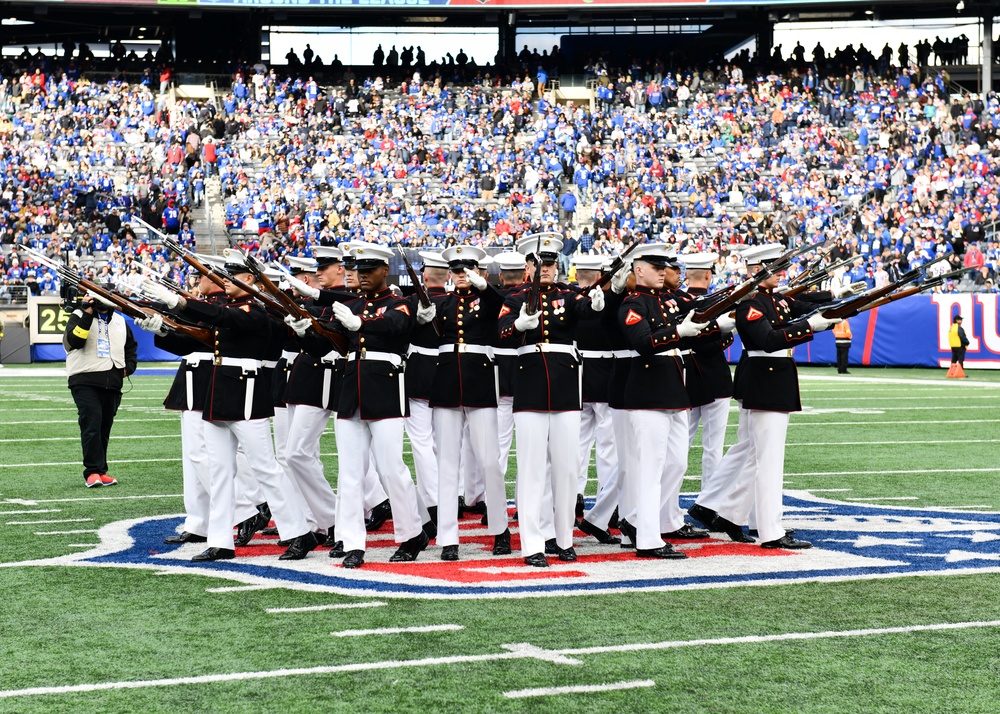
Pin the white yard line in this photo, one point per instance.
(890, 380)
(40, 523)
(886, 473)
(241, 588)
(578, 689)
(77, 463)
(30, 502)
(321, 608)
(885, 498)
(860, 422)
(47, 533)
(807, 396)
(397, 630)
(37, 510)
(513, 652)
(74, 421)
(77, 438)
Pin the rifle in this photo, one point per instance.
(853, 305)
(749, 285)
(418, 287)
(617, 264)
(531, 306)
(816, 279)
(287, 304)
(189, 257)
(916, 289)
(136, 312)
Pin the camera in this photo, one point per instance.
(71, 297)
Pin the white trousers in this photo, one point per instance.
(768, 431)
(625, 448)
(714, 417)
(555, 435)
(305, 427)
(505, 429)
(596, 428)
(658, 473)
(248, 492)
(254, 436)
(482, 439)
(280, 423)
(358, 442)
(473, 476)
(195, 473)
(731, 486)
(420, 429)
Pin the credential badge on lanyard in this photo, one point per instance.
(103, 339)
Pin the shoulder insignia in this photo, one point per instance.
(632, 317)
(754, 314)
(580, 296)
(504, 311)
(245, 308)
(380, 311)
(403, 308)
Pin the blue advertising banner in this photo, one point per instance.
(912, 333)
(909, 333)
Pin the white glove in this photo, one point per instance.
(299, 327)
(524, 321)
(596, 299)
(859, 287)
(690, 328)
(153, 323)
(160, 293)
(301, 288)
(620, 279)
(345, 317)
(818, 323)
(726, 324)
(782, 289)
(426, 314)
(477, 281)
(102, 300)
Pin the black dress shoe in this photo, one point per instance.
(787, 542)
(485, 520)
(331, 538)
(185, 537)
(270, 531)
(477, 508)
(601, 535)
(432, 511)
(627, 530)
(380, 514)
(461, 505)
(431, 529)
(354, 559)
(664, 553)
(704, 516)
(537, 560)
(337, 550)
(567, 555)
(299, 547)
(732, 530)
(685, 532)
(246, 530)
(449, 552)
(551, 547)
(265, 510)
(214, 554)
(501, 543)
(579, 505)
(613, 523)
(408, 551)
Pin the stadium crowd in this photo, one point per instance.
(884, 162)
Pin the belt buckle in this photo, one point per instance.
(217, 361)
(362, 353)
(461, 348)
(538, 346)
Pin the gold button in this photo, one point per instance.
(770, 369)
(546, 322)
(459, 323)
(461, 332)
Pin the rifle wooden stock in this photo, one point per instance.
(202, 334)
(854, 305)
(189, 258)
(727, 303)
(916, 289)
(535, 290)
(418, 287)
(287, 304)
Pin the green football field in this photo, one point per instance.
(113, 638)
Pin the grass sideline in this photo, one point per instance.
(929, 439)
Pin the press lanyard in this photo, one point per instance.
(103, 338)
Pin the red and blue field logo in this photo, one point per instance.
(851, 541)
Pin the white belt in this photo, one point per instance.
(369, 355)
(597, 354)
(425, 351)
(762, 353)
(195, 358)
(665, 353)
(247, 364)
(331, 357)
(504, 352)
(289, 355)
(622, 354)
(269, 363)
(463, 347)
(547, 347)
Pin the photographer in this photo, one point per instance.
(100, 353)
